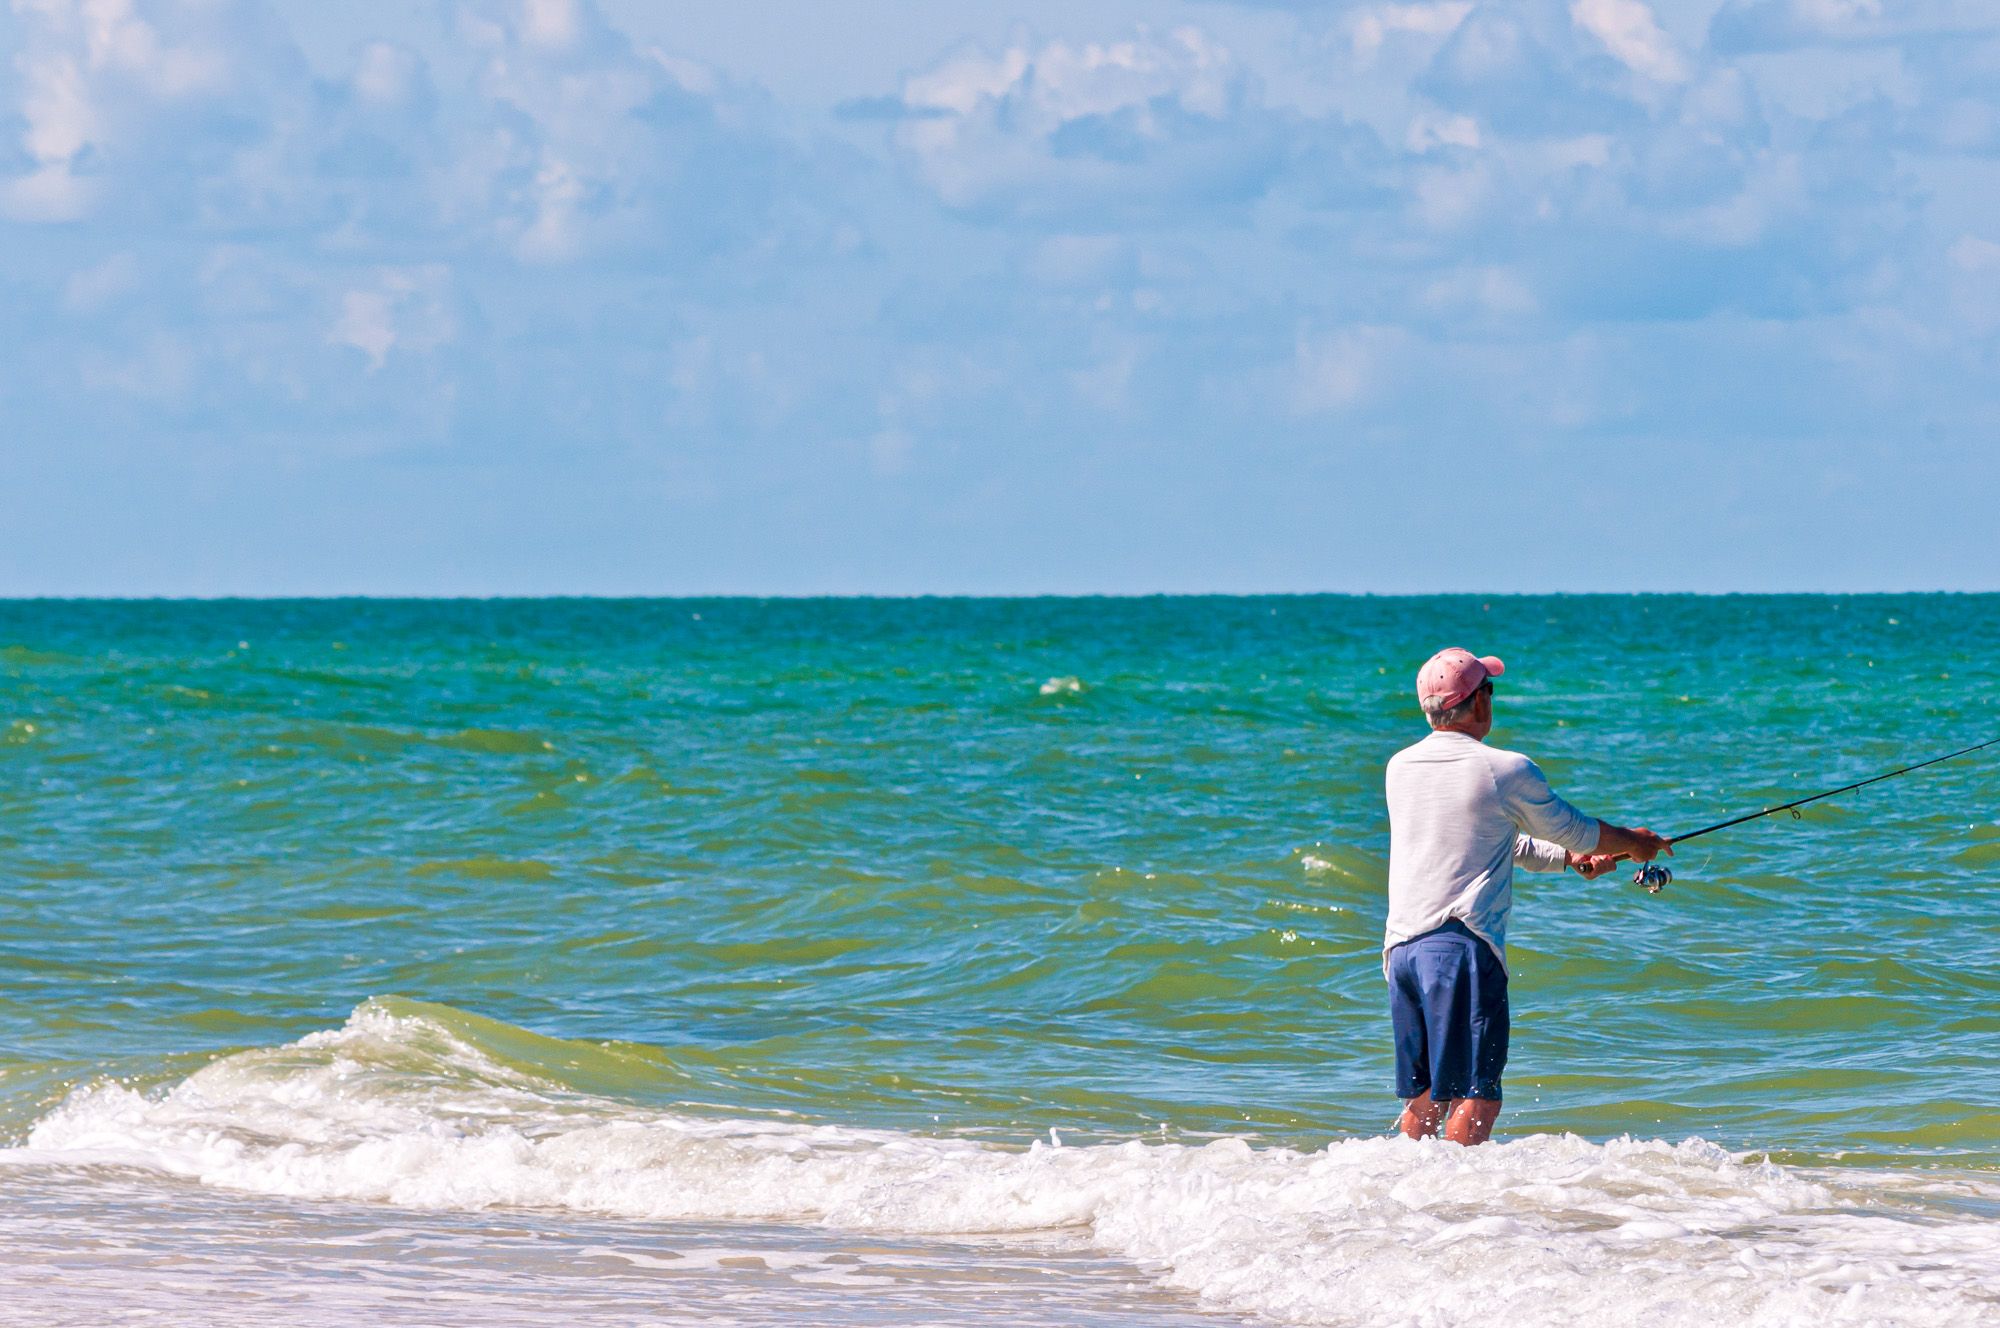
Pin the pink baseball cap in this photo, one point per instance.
(1450, 676)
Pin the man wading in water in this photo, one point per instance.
(1462, 816)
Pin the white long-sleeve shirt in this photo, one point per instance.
(1462, 816)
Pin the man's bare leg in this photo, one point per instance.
(1471, 1120)
(1420, 1117)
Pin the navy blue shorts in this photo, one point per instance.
(1448, 1002)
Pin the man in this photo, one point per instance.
(1462, 816)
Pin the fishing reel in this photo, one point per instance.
(1653, 876)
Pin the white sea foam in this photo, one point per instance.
(398, 1107)
(1063, 686)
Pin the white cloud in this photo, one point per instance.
(1069, 82)
(50, 192)
(1488, 290)
(404, 308)
(1066, 128)
(1975, 285)
(93, 74)
(1832, 12)
(61, 121)
(558, 140)
(551, 23)
(1373, 27)
(1079, 260)
(1629, 31)
(1974, 253)
(1565, 154)
(387, 74)
(117, 38)
(735, 276)
(56, 103)
(959, 85)
(1449, 198)
(586, 145)
(365, 323)
(1335, 371)
(1429, 131)
(558, 195)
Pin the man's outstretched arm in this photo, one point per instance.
(1539, 810)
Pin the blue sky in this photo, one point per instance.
(902, 296)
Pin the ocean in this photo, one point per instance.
(770, 962)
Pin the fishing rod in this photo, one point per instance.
(1654, 876)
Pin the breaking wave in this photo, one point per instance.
(428, 1107)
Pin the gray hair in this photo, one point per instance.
(1442, 716)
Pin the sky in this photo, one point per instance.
(998, 296)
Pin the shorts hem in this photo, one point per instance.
(1485, 1092)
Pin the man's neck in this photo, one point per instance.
(1474, 732)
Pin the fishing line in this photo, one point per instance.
(1654, 876)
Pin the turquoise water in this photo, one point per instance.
(953, 874)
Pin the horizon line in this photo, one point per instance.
(804, 596)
